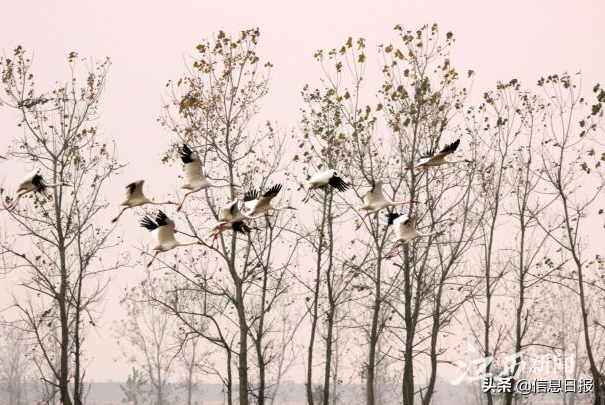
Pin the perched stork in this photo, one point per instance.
(375, 200)
(432, 159)
(323, 179)
(195, 174)
(231, 216)
(163, 232)
(135, 198)
(256, 204)
(34, 182)
(405, 231)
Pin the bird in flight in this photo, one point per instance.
(34, 182)
(136, 198)
(324, 179)
(375, 200)
(195, 174)
(405, 231)
(432, 159)
(256, 204)
(163, 231)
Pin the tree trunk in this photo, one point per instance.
(63, 314)
(315, 308)
(243, 345)
(332, 305)
(433, 350)
(328, 364)
(408, 357)
(229, 377)
(190, 383)
(371, 370)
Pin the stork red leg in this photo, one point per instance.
(360, 223)
(119, 215)
(152, 259)
(180, 207)
(394, 250)
(14, 203)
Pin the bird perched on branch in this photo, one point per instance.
(256, 204)
(195, 174)
(163, 231)
(34, 182)
(323, 179)
(432, 159)
(135, 198)
(405, 231)
(375, 200)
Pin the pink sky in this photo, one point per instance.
(148, 42)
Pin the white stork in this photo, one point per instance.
(195, 174)
(323, 179)
(231, 216)
(375, 200)
(135, 198)
(34, 182)
(163, 232)
(256, 204)
(405, 231)
(432, 159)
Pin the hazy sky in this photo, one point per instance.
(148, 42)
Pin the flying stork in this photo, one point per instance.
(323, 179)
(405, 231)
(432, 159)
(135, 198)
(256, 204)
(231, 216)
(163, 232)
(195, 174)
(375, 200)
(34, 182)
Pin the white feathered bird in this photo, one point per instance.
(323, 179)
(405, 232)
(256, 204)
(34, 182)
(432, 159)
(135, 197)
(163, 231)
(375, 200)
(195, 174)
(231, 216)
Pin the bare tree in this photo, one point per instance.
(422, 100)
(324, 148)
(134, 389)
(211, 108)
(493, 117)
(568, 157)
(15, 373)
(526, 207)
(191, 357)
(147, 340)
(59, 245)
